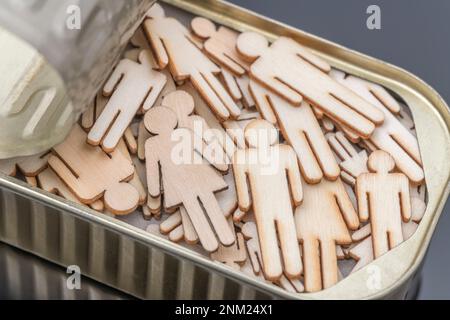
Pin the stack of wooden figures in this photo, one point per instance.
(341, 178)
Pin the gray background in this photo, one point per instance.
(414, 35)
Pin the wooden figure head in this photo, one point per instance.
(261, 134)
(180, 102)
(251, 45)
(381, 162)
(203, 28)
(160, 120)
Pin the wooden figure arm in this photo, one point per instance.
(294, 178)
(68, 177)
(347, 209)
(240, 177)
(159, 83)
(217, 161)
(152, 169)
(307, 55)
(384, 97)
(114, 79)
(405, 200)
(363, 201)
(157, 45)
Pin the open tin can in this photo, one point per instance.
(143, 265)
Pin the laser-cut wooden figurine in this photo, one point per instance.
(29, 166)
(301, 129)
(383, 197)
(218, 134)
(131, 86)
(91, 174)
(391, 136)
(352, 162)
(273, 175)
(173, 46)
(293, 72)
(235, 255)
(187, 184)
(182, 104)
(50, 182)
(323, 221)
(220, 45)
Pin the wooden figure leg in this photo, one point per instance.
(380, 243)
(329, 263)
(395, 238)
(324, 154)
(270, 252)
(311, 265)
(116, 131)
(218, 220)
(311, 170)
(102, 125)
(190, 236)
(289, 247)
(223, 95)
(205, 233)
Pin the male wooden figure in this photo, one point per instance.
(188, 184)
(294, 73)
(271, 192)
(173, 46)
(299, 126)
(323, 221)
(130, 86)
(383, 197)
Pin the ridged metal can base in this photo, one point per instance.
(108, 257)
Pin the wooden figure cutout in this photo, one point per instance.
(391, 136)
(352, 162)
(220, 45)
(218, 133)
(29, 166)
(131, 86)
(323, 221)
(50, 182)
(135, 181)
(293, 72)
(243, 83)
(301, 129)
(235, 255)
(173, 46)
(384, 198)
(191, 185)
(272, 182)
(363, 252)
(179, 225)
(236, 128)
(153, 206)
(94, 110)
(90, 173)
(130, 141)
(250, 232)
(182, 104)
(231, 85)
